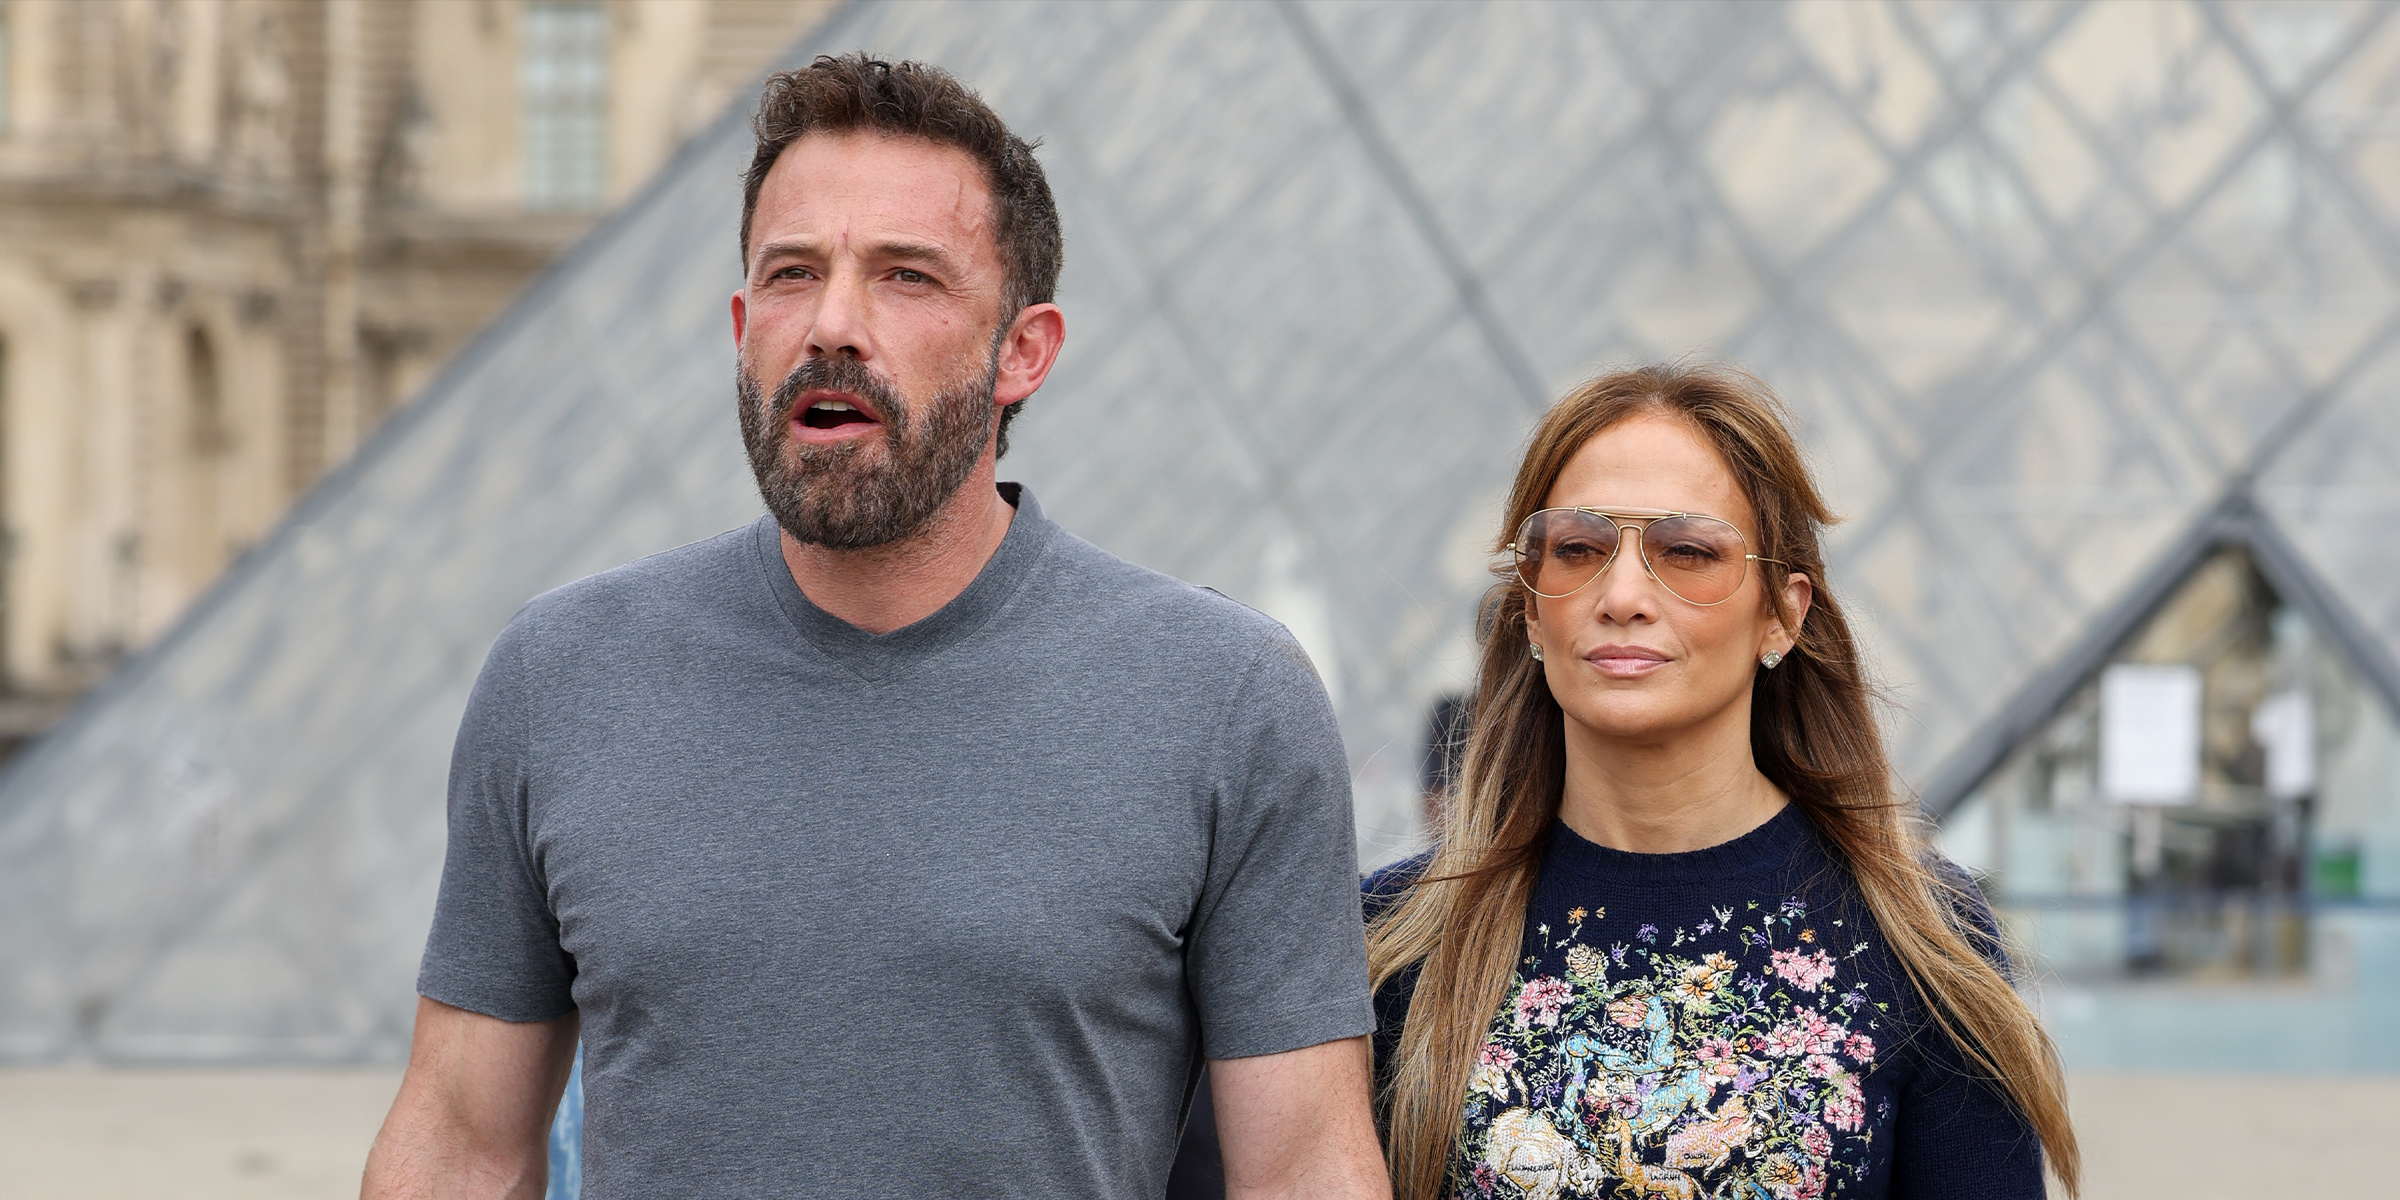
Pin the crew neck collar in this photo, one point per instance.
(1771, 843)
(875, 656)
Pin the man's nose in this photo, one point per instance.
(841, 318)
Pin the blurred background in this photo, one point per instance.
(333, 330)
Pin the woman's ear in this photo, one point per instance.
(1797, 593)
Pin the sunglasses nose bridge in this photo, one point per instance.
(1625, 534)
(1616, 553)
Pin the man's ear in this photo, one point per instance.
(741, 319)
(1027, 352)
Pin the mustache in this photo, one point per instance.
(831, 373)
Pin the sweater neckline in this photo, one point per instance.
(878, 656)
(1774, 841)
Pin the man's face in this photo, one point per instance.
(873, 301)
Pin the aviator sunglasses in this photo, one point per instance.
(1700, 559)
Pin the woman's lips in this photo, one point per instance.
(1625, 662)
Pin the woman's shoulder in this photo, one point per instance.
(1383, 887)
(1971, 911)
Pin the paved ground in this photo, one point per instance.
(188, 1135)
(2235, 1136)
(294, 1135)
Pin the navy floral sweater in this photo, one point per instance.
(1724, 1023)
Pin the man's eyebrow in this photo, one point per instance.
(768, 250)
(921, 252)
(924, 252)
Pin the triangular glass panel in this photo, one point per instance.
(2217, 803)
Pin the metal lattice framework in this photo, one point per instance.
(2050, 286)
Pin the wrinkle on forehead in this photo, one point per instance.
(944, 186)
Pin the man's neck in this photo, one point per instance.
(895, 586)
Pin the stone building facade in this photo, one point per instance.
(235, 234)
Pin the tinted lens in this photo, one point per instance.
(1701, 559)
(1560, 549)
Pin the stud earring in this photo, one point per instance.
(1770, 659)
(1537, 650)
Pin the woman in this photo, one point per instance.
(1677, 935)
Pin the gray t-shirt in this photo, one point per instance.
(945, 911)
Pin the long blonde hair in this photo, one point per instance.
(1813, 735)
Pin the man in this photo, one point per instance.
(901, 844)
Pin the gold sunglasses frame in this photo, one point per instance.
(1647, 517)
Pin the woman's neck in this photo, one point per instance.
(1687, 791)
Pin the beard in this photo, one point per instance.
(862, 494)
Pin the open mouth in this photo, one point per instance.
(833, 414)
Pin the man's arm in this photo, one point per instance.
(1298, 1124)
(473, 1116)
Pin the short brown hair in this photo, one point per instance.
(912, 99)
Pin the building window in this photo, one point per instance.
(562, 80)
(212, 436)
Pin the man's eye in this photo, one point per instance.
(905, 275)
(792, 273)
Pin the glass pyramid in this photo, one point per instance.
(2045, 283)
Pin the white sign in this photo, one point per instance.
(2285, 726)
(2150, 734)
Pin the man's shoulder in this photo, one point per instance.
(672, 585)
(1109, 591)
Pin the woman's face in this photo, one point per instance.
(1625, 657)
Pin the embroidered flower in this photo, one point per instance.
(1817, 1141)
(1818, 1035)
(1540, 1001)
(1859, 1047)
(1781, 1173)
(1628, 1012)
(1808, 935)
(1845, 1104)
(1822, 1066)
(1586, 964)
(1485, 1178)
(1784, 1041)
(1717, 1058)
(1647, 933)
(1491, 1071)
(1699, 983)
(1576, 915)
(1807, 971)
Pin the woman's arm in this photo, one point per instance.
(1957, 1138)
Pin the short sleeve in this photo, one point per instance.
(494, 947)
(1276, 957)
